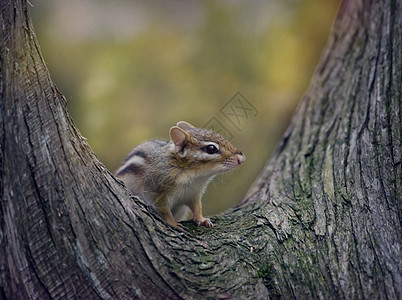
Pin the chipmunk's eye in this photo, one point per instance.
(210, 149)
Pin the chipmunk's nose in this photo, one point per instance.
(241, 158)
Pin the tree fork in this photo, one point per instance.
(323, 219)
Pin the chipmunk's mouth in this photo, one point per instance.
(241, 158)
(233, 162)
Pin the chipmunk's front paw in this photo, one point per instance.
(204, 222)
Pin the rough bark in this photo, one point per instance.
(323, 220)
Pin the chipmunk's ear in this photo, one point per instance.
(179, 137)
(185, 125)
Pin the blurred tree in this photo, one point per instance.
(321, 221)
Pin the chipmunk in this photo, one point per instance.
(173, 175)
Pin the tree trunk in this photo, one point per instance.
(323, 220)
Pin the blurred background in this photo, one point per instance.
(131, 69)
